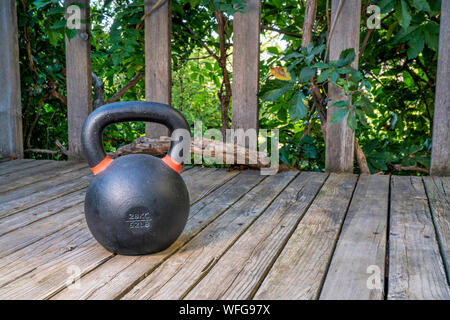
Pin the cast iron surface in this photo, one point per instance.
(138, 204)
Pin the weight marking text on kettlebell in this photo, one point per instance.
(136, 204)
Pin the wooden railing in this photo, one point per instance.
(339, 139)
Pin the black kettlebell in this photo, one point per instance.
(136, 204)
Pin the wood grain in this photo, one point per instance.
(45, 191)
(37, 174)
(239, 271)
(440, 155)
(298, 272)
(12, 166)
(11, 139)
(43, 185)
(79, 80)
(361, 248)
(438, 192)
(246, 31)
(415, 264)
(158, 65)
(178, 273)
(339, 146)
(85, 257)
(113, 278)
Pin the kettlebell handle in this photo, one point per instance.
(100, 118)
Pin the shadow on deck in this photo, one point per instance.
(289, 236)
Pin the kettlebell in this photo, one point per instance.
(136, 204)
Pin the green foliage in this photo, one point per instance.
(388, 101)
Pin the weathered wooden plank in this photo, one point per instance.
(21, 262)
(438, 192)
(28, 216)
(62, 168)
(308, 22)
(31, 233)
(440, 155)
(111, 279)
(79, 78)
(35, 195)
(45, 284)
(11, 140)
(76, 253)
(361, 248)
(298, 272)
(244, 265)
(10, 165)
(19, 168)
(178, 273)
(37, 173)
(246, 31)
(40, 186)
(339, 146)
(415, 264)
(206, 181)
(158, 65)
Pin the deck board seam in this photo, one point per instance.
(336, 240)
(14, 189)
(50, 295)
(146, 274)
(213, 263)
(286, 240)
(44, 217)
(438, 237)
(388, 231)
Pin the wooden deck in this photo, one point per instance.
(289, 236)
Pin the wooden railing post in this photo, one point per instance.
(440, 156)
(246, 30)
(79, 78)
(158, 73)
(11, 138)
(339, 147)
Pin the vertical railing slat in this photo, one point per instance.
(79, 78)
(158, 74)
(11, 138)
(246, 49)
(440, 156)
(340, 138)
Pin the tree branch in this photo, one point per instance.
(203, 44)
(124, 89)
(289, 33)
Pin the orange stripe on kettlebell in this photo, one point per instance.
(172, 163)
(102, 165)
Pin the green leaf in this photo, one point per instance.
(351, 121)
(297, 107)
(292, 55)
(306, 73)
(361, 116)
(431, 33)
(403, 14)
(338, 115)
(273, 95)
(421, 5)
(346, 57)
(425, 161)
(323, 76)
(339, 104)
(53, 37)
(320, 65)
(273, 50)
(58, 25)
(416, 45)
